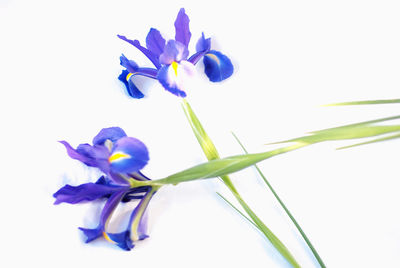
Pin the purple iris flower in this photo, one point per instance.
(172, 61)
(121, 158)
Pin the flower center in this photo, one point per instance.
(118, 156)
(175, 67)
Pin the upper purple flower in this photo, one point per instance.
(121, 158)
(171, 60)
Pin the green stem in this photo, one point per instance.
(314, 251)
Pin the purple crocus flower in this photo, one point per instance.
(120, 158)
(171, 60)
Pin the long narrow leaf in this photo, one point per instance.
(391, 137)
(212, 155)
(310, 245)
(237, 210)
(224, 166)
(365, 102)
(352, 131)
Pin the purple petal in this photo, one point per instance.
(122, 239)
(128, 155)
(137, 223)
(92, 156)
(148, 72)
(92, 234)
(173, 51)
(150, 55)
(130, 65)
(182, 33)
(203, 44)
(155, 42)
(106, 213)
(130, 87)
(98, 155)
(111, 204)
(75, 155)
(194, 59)
(82, 153)
(217, 66)
(112, 133)
(84, 192)
(202, 47)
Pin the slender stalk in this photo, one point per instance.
(314, 251)
(237, 210)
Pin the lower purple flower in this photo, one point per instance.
(120, 158)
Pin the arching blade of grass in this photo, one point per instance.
(391, 137)
(212, 155)
(314, 251)
(365, 102)
(353, 131)
(238, 211)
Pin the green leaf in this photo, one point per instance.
(365, 102)
(223, 166)
(268, 233)
(352, 131)
(310, 245)
(213, 169)
(391, 137)
(204, 140)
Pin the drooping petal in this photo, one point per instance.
(133, 91)
(127, 77)
(137, 224)
(217, 66)
(91, 234)
(130, 65)
(123, 240)
(84, 192)
(111, 133)
(182, 32)
(106, 214)
(128, 155)
(155, 42)
(173, 77)
(150, 55)
(173, 51)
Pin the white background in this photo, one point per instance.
(59, 62)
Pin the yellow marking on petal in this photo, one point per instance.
(175, 67)
(108, 238)
(128, 76)
(212, 56)
(118, 156)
